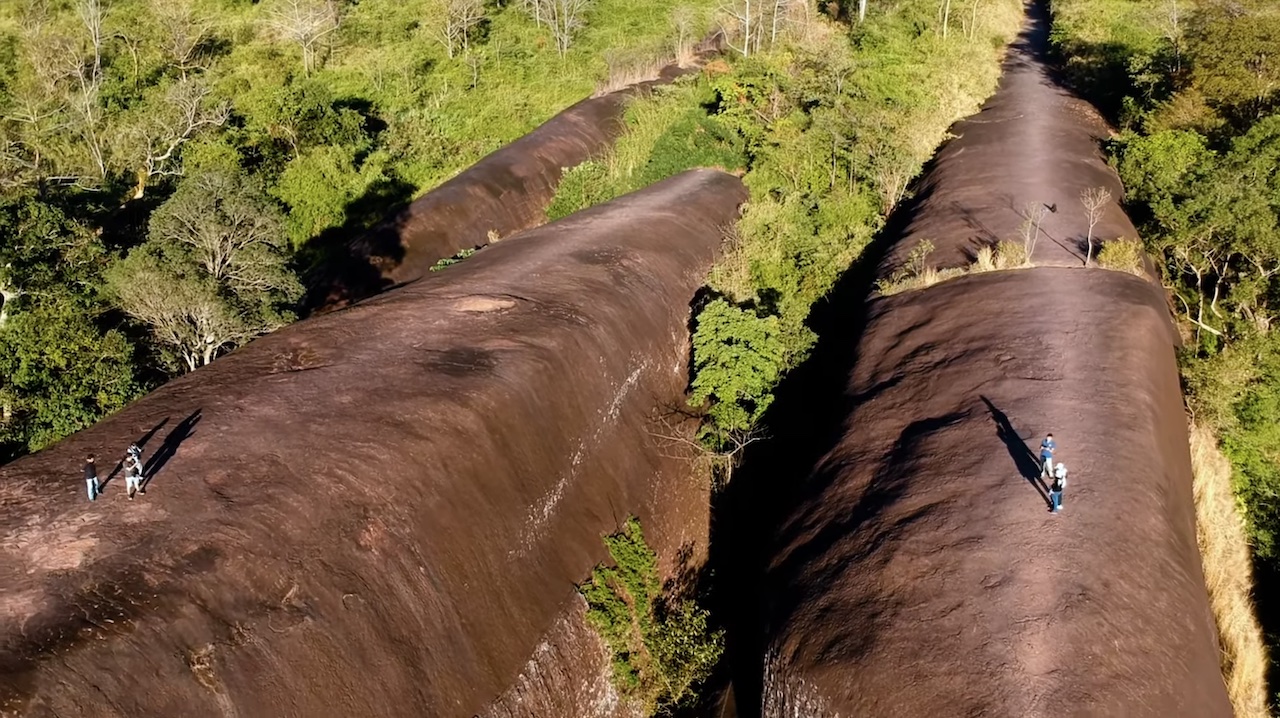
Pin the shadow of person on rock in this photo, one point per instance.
(142, 444)
(1023, 457)
(180, 433)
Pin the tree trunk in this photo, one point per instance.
(862, 11)
(7, 295)
(773, 33)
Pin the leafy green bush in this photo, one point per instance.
(59, 373)
(737, 361)
(580, 187)
(661, 652)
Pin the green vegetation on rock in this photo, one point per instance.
(662, 645)
(450, 261)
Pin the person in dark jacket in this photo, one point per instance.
(91, 478)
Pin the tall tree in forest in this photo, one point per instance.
(59, 370)
(306, 23)
(456, 20)
(213, 272)
(1234, 58)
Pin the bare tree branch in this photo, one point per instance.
(1095, 201)
(306, 23)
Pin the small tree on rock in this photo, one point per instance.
(1095, 201)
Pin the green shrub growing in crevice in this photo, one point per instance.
(580, 187)
(662, 649)
(450, 261)
(1122, 255)
(737, 360)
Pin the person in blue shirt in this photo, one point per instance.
(1046, 456)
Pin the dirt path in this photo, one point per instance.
(919, 572)
(380, 511)
(1032, 150)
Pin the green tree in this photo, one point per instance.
(1233, 49)
(59, 374)
(662, 646)
(737, 360)
(213, 272)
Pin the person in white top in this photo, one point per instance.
(1057, 487)
(133, 471)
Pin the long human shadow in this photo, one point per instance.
(142, 444)
(1023, 457)
(183, 431)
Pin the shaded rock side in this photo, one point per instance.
(380, 511)
(922, 574)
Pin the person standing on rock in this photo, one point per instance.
(91, 478)
(1057, 487)
(133, 471)
(1046, 456)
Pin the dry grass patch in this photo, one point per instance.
(1005, 255)
(1122, 255)
(916, 273)
(1228, 574)
(632, 68)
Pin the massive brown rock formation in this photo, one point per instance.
(380, 511)
(920, 573)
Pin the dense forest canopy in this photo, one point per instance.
(167, 166)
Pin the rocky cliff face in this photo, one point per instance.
(920, 573)
(383, 510)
